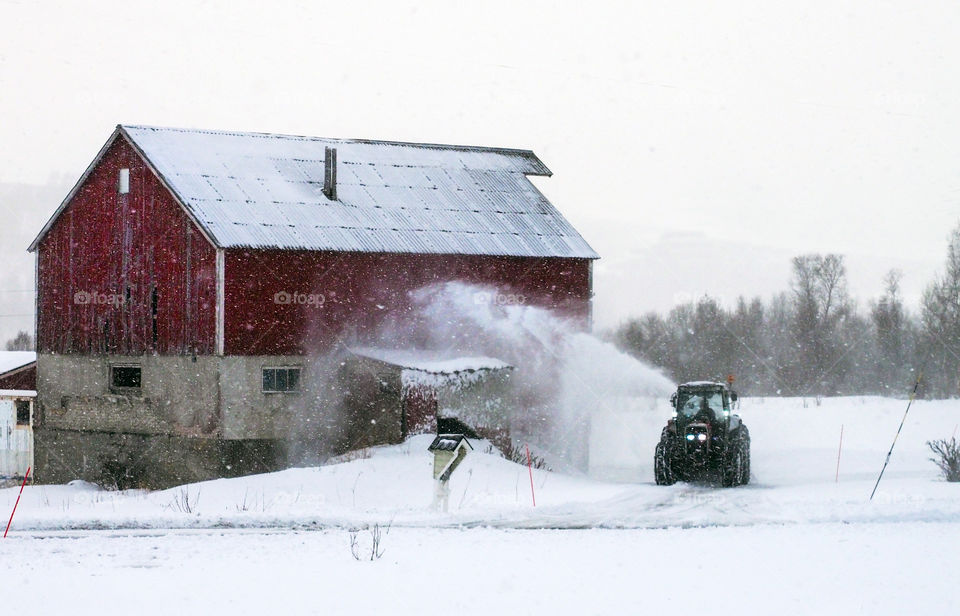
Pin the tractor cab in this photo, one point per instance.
(703, 402)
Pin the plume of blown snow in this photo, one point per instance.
(563, 373)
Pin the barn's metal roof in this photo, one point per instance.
(266, 191)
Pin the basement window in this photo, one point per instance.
(123, 182)
(125, 377)
(281, 380)
(23, 412)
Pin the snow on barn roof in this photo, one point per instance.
(259, 190)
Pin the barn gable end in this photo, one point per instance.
(124, 273)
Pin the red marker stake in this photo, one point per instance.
(837, 480)
(10, 521)
(530, 468)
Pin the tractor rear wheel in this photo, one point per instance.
(745, 448)
(745, 479)
(732, 474)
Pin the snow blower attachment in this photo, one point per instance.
(703, 441)
(449, 450)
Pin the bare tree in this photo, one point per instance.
(23, 341)
(892, 363)
(820, 303)
(810, 340)
(941, 325)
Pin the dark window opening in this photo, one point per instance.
(23, 412)
(281, 380)
(127, 377)
(154, 301)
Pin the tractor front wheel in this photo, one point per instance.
(662, 468)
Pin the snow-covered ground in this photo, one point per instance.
(794, 467)
(907, 568)
(793, 541)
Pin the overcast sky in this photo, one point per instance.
(696, 145)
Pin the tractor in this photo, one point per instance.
(703, 441)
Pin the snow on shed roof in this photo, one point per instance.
(18, 393)
(431, 362)
(265, 191)
(12, 360)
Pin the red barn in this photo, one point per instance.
(195, 288)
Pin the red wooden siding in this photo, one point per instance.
(360, 292)
(101, 260)
(419, 411)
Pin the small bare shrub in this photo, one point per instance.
(518, 453)
(184, 502)
(376, 549)
(255, 503)
(947, 457)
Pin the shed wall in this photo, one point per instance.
(16, 440)
(24, 378)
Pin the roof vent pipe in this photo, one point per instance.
(330, 173)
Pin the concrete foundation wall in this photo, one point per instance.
(248, 412)
(206, 396)
(178, 395)
(142, 461)
(191, 419)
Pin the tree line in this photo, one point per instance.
(813, 339)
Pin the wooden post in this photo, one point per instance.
(530, 468)
(837, 479)
(10, 521)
